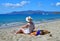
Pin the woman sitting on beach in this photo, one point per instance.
(28, 28)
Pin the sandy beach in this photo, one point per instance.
(7, 34)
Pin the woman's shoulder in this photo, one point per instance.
(30, 23)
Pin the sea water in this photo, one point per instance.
(7, 20)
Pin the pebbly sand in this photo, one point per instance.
(7, 34)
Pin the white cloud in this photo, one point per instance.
(58, 4)
(22, 3)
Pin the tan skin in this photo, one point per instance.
(21, 31)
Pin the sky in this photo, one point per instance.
(7, 6)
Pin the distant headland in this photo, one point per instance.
(33, 12)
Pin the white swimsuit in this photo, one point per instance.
(29, 29)
(26, 30)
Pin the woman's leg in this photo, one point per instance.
(20, 31)
(33, 34)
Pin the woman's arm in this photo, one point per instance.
(25, 26)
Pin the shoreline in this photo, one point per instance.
(15, 24)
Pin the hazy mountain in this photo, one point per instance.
(33, 12)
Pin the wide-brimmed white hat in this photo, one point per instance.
(28, 19)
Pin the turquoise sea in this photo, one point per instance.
(19, 19)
